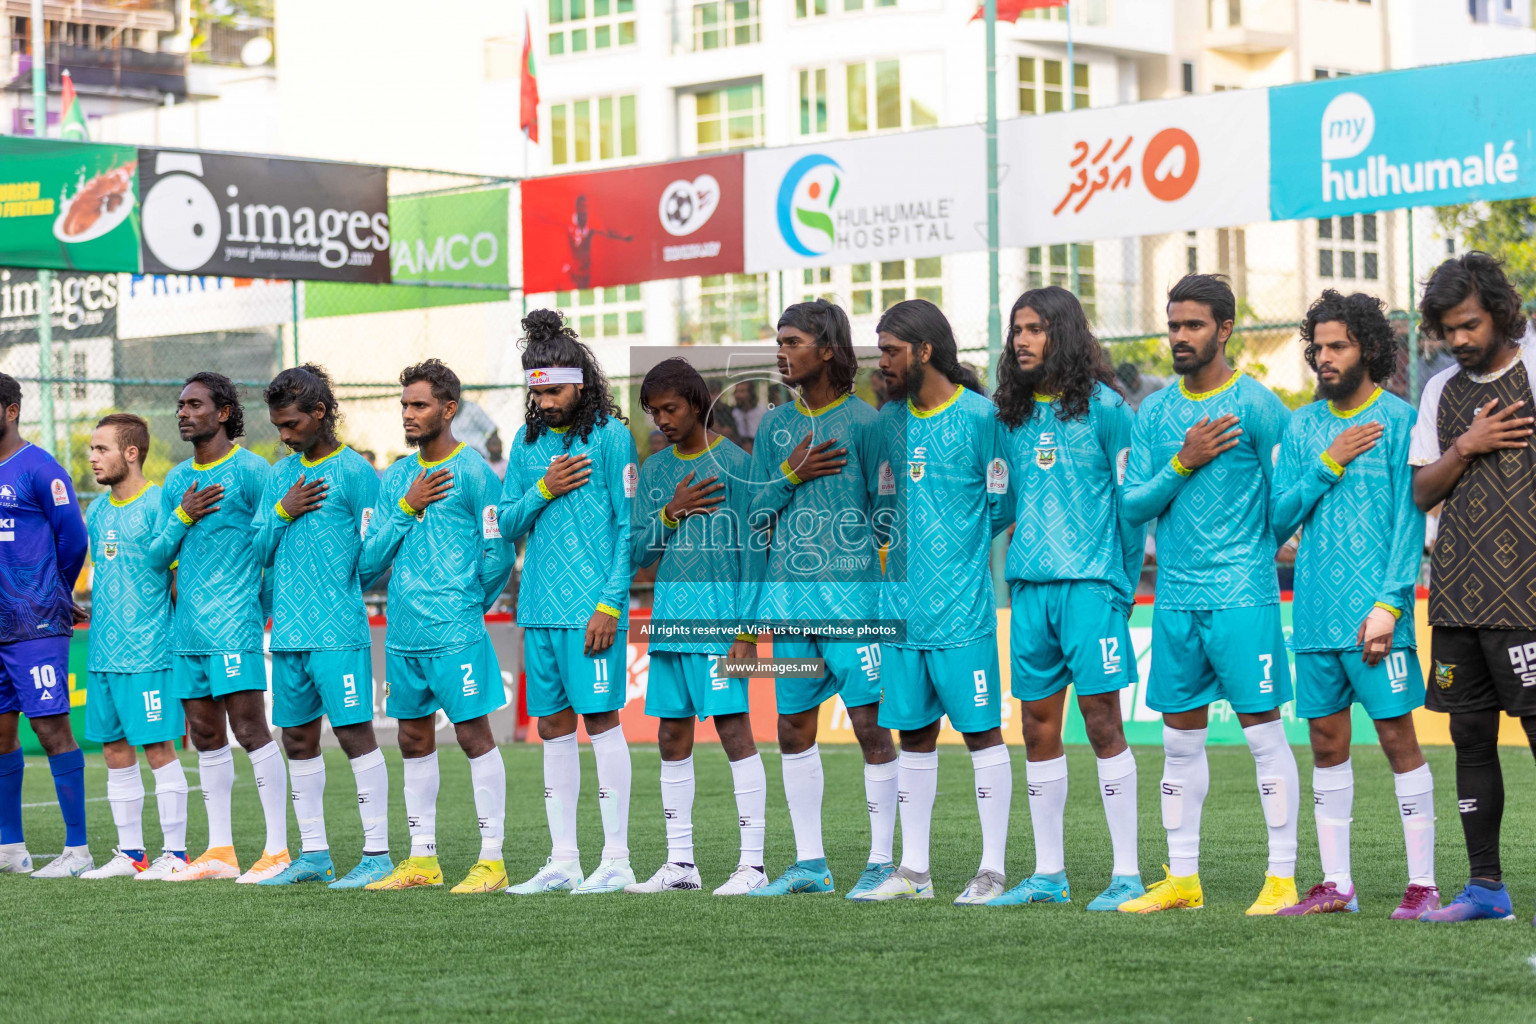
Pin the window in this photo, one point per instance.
(1348, 248)
(604, 312)
(730, 118)
(893, 281)
(718, 23)
(732, 306)
(1040, 86)
(822, 8)
(602, 128)
(580, 26)
(1318, 74)
(813, 101)
(1052, 264)
(874, 99)
(1186, 76)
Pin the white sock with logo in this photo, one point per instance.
(308, 778)
(1279, 792)
(614, 775)
(677, 787)
(421, 781)
(1333, 801)
(216, 773)
(125, 795)
(488, 773)
(1047, 781)
(880, 795)
(803, 786)
(750, 780)
(372, 779)
(917, 784)
(1186, 780)
(994, 799)
(171, 800)
(1117, 787)
(272, 787)
(1416, 806)
(562, 784)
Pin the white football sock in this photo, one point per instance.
(125, 795)
(917, 783)
(1416, 806)
(1186, 780)
(1279, 792)
(677, 808)
(421, 780)
(272, 788)
(1333, 801)
(751, 784)
(614, 774)
(880, 795)
(216, 773)
(562, 784)
(308, 780)
(372, 780)
(1117, 786)
(171, 800)
(803, 785)
(994, 799)
(488, 773)
(1047, 781)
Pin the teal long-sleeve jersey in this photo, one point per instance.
(130, 584)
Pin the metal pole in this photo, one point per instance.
(295, 324)
(49, 440)
(1071, 84)
(1413, 319)
(994, 312)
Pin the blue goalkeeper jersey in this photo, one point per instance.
(706, 569)
(823, 562)
(218, 573)
(130, 584)
(317, 592)
(577, 560)
(950, 476)
(449, 561)
(1066, 478)
(42, 546)
(1362, 536)
(1215, 540)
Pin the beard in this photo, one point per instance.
(1475, 361)
(1347, 384)
(426, 437)
(1201, 358)
(113, 474)
(909, 383)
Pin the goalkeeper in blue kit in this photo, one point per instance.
(436, 524)
(571, 481)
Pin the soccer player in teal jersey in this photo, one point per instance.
(1202, 464)
(129, 700)
(309, 533)
(1344, 479)
(436, 523)
(571, 481)
(816, 465)
(945, 449)
(217, 669)
(690, 521)
(1072, 567)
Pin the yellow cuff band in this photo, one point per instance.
(790, 473)
(1397, 613)
(1329, 461)
(408, 510)
(282, 513)
(746, 638)
(607, 610)
(667, 520)
(1178, 467)
(547, 494)
(186, 520)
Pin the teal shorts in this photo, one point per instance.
(922, 686)
(135, 706)
(307, 684)
(561, 674)
(1200, 657)
(1068, 632)
(1328, 682)
(684, 685)
(464, 684)
(853, 670)
(217, 675)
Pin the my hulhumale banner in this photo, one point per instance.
(1436, 136)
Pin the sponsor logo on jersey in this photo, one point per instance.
(7, 494)
(1444, 675)
(631, 480)
(109, 549)
(997, 477)
(367, 518)
(1045, 451)
(1122, 460)
(60, 493)
(7, 528)
(490, 529)
(887, 479)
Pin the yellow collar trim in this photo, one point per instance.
(710, 446)
(1345, 414)
(428, 465)
(1202, 396)
(304, 461)
(839, 400)
(1044, 398)
(129, 501)
(951, 400)
(559, 430)
(216, 462)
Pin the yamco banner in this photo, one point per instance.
(68, 205)
(634, 224)
(248, 216)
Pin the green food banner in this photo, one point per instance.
(437, 242)
(68, 205)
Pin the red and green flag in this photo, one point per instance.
(530, 85)
(1009, 10)
(72, 121)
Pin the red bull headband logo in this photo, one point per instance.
(553, 375)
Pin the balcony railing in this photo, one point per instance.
(120, 69)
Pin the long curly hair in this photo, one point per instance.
(549, 341)
(1364, 317)
(1460, 277)
(308, 387)
(918, 321)
(223, 392)
(1074, 360)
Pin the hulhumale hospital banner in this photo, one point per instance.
(1456, 133)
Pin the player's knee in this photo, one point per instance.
(798, 732)
(735, 733)
(54, 734)
(252, 735)
(556, 726)
(1476, 735)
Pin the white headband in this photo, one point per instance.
(554, 375)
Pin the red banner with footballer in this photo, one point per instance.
(633, 224)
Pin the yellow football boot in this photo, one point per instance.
(485, 876)
(1277, 894)
(409, 874)
(1172, 893)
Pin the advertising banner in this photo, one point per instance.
(436, 241)
(883, 198)
(247, 216)
(634, 224)
(1434, 136)
(68, 205)
(161, 305)
(1140, 168)
(83, 305)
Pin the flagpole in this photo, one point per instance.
(44, 277)
(1071, 106)
(994, 304)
